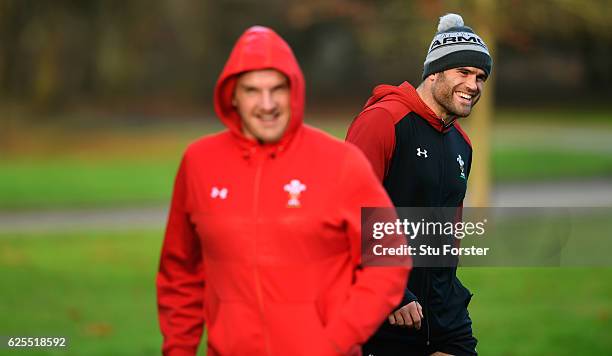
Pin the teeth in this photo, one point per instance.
(465, 96)
(267, 117)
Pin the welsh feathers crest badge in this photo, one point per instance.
(294, 188)
(461, 166)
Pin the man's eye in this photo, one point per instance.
(281, 89)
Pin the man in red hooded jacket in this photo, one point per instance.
(263, 238)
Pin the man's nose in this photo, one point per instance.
(471, 83)
(267, 101)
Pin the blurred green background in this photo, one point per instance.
(98, 99)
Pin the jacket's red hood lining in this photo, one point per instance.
(406, 94)
(259, 48)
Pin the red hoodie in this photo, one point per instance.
(263, 241)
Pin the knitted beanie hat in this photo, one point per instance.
(456, 45)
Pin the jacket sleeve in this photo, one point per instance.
(180, 280)
(408, 297)
(373, 131)
(376, 290)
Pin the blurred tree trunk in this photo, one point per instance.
(47, 73)
(11, 82)
(12, 17)
(480, 120)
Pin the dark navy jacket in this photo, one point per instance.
(422, 162)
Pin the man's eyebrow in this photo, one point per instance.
(282, 85)
(472, 71)
(466, 69)
(247, 86)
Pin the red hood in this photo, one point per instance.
(259, 48)
(407, 95)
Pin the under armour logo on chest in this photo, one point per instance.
(218, 193)
(421, 153)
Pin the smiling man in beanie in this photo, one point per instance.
(423, 157)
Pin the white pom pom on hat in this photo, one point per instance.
(449, 21)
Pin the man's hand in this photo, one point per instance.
(410, 315)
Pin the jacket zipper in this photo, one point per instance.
(443, 170)
(427, 276)
(427, 307)
(259, 162)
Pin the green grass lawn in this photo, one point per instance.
(97, 289)
(54, 167)
(545, 164)
(543, 311)
(67, 182)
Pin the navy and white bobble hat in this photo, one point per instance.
(456, 45)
